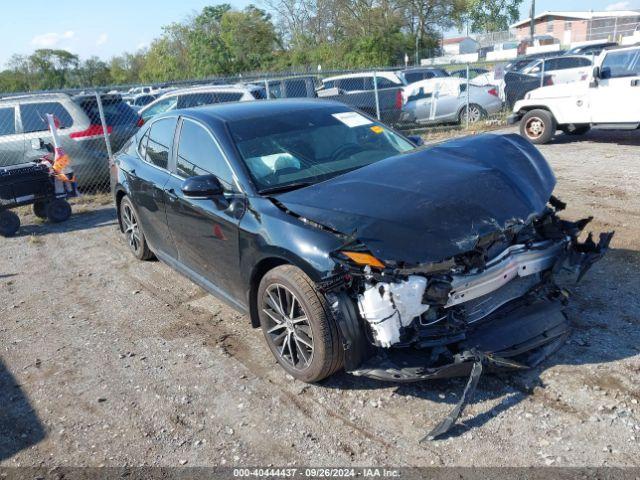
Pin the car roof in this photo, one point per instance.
(35, 97)
(238, 87)
(387, 75)
(235, 111)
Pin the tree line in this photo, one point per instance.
(221, 40)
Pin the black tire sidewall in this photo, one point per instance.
(58, 210)
(9, 223)
(40, 208)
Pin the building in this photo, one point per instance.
(459, 46)
(570, 27)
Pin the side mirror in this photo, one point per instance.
(596, 73)
(202, 186)
(416, 140)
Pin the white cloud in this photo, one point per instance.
(624, 5)
(47, 40)
(102, 39)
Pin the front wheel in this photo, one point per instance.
(40, 208)
(132, 231)
(9, 223)
(538, 126)
(298, 325)
(58, 210)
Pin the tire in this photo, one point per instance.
(133, 232)
(310, 349)
(477, 113)
(58, 210)
(576, 129)
(538, 126)
(40, 208)
(9, 223)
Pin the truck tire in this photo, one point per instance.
(298, 325)
(58, 210)
(40, 208)
(9, 223)
(538, 126)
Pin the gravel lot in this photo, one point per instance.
(109, 361)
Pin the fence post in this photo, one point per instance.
(375, 91)
(105, 131)
(266, 87)
(542, 73)
(468, 96)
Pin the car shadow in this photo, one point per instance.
(101, 217)
(603, 331)
(619, 137)
(20, 426)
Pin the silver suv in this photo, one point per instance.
(24, 131)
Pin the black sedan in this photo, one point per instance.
(351, 246)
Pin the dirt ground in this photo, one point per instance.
(108, 361)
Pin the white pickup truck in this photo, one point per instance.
(608, 99)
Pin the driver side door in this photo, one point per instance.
(205, 231)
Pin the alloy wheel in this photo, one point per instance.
(534, 127)
(131, 229)
(473, 112)
(288, 327)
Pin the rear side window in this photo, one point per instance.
(223, 97)
(196, 99)
(385, 83)
(34, 116)
(413, 77)
(355, 84)
(296, 88)
(160, 142)
(7, 121)
(198, 154)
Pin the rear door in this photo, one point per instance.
(616, 96)
(147, 179)
(205, 231)
(11, 142)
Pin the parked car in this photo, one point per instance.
(291, 87)
(350, 247)
(609, 98)
(357, 90)
(140, 100)
(444, 100)
(517, 85)
(24, 131)
(563, 69)
(519, 63)
(473, 73)
(202, 95)
(593, 49)
(412, 75)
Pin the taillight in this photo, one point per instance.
(398, 99)
(140, 122)
(493, 92)
(94, 131)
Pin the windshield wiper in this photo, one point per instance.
(284, 188)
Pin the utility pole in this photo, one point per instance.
(532, 22)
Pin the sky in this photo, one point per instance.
(86, 29)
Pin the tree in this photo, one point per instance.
(490, 15)
(51, 69)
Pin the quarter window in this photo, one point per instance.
(7, 121)
(198, 154)
(160, 141)
(34, 116)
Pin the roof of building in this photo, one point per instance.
(455, 40)
(582, 15)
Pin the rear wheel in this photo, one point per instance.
(476, 113)
(9, 223)
(297, 324)
(40, 208)
(58, 210)
(538, 126)
(132, 231)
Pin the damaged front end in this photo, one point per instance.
(496, 306)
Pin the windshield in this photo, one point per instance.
(304, 147)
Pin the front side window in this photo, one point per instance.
(34, 117)
(223, 97)
(355, 84)
(160, 141)
(308, 146)
(621, 64)
(196, 99)
(7, 121)
(198, 154)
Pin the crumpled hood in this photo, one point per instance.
(432, 204)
